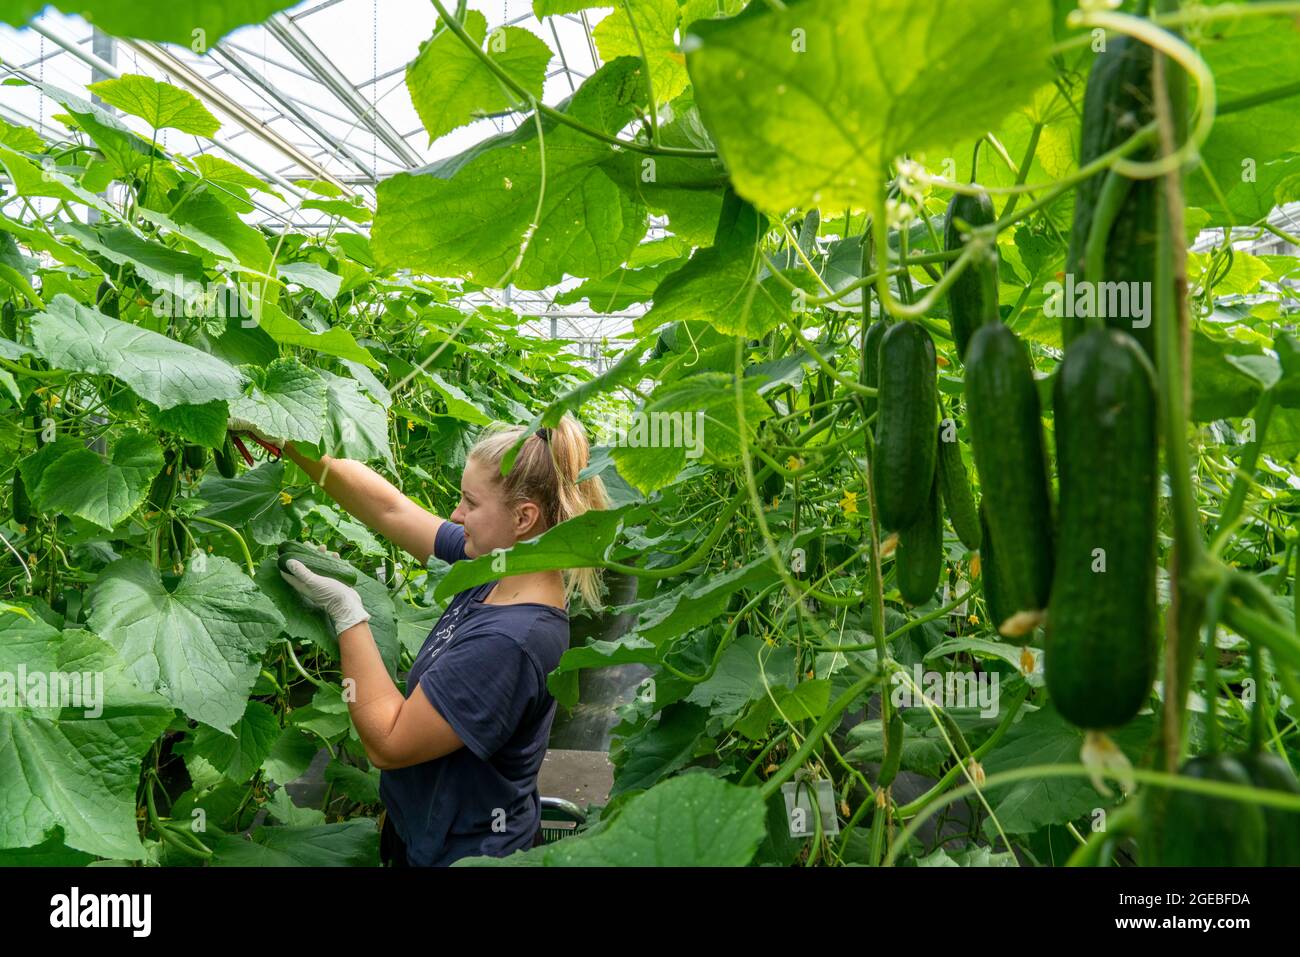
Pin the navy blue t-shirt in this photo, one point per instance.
(483, 668)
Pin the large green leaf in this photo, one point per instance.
(241, 752)
(353, 843)
(204, 218)
(250, 501)
(83, 483)
(167, 270)
(63, 767)
(809, 101)
(580, 542)
(167, 373)
(697, 602)
(356, 427)
(186, 22)
(201, 424)
(1044, 738)
(1246, 157)
(659, 748)
(722, 284)
(587, 224)
(687, 421)
(158, 104)
(694, 820)
(41, 241)
(287, 401)
(337, 341)
(654, 32)
(199, 645)
(450, 86)
(28, 179)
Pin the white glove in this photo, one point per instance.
(340, 602)
(236, 424)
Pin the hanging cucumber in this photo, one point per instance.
(196, 456)
(1117, 103)
(871, 362)
(316, 561)
(993, 600)
(907, 424)
(954, 485)
(22, 507)
(106, 300)
(1007, 441)
(36, 413)
(1101, 622)
(1283, 827)
(164, 484)
(8, 321)
(225, 458)
(918, 559)
(772, 486)
(973, 298)
(1185, 829)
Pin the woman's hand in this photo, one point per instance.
(341, 603)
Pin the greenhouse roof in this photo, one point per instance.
(317, 92)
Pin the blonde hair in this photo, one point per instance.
(546, 472)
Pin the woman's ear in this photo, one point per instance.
(526, 517)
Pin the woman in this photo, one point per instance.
(459, 752)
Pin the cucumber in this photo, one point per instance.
(973, 298)
(22, 508)
(918, 560)
(36, 411)
(8, 321)
(1184, 829)
(954, 485)
(164, 484)
(907, 424)
(1283, 827)
(196, 456)
(1007, 441)
(993, 600)
(871, 362)
(225, 458)
(772, 486)
(1117, 102)
(106, 300)
(316, 561)
(1101, 622)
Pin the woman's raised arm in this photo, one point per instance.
(373, 500)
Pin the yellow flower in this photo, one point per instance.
(285, 498)
(410, 424)
(973, 619)
(849, 503)
(793, 464)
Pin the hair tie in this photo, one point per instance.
(543, 434)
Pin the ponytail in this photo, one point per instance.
(546, 472)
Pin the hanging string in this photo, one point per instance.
(374, 87)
